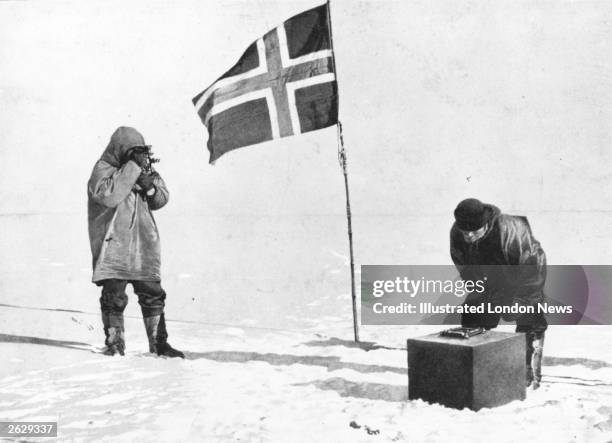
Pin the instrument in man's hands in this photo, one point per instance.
(148, 167)
(144, 157)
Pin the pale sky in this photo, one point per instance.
(514, 95)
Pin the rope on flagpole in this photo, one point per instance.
(343, 164)
(341, 151)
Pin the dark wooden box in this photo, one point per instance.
(483, 371)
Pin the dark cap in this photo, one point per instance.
(471, 214)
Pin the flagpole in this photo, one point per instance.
(343, 163)
(342, 159)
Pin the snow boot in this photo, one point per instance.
(113, 332)
(156, 333)
(106, 325)
(535, 351)
(115, 342)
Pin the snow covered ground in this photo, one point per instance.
(272, 363)
(256, 384)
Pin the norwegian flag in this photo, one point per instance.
(284, 84)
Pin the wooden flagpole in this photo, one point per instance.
(343, 164)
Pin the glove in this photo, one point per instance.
(146, 181)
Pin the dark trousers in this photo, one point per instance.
(151, 297)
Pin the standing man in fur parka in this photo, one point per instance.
(122, 193)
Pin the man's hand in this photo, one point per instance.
(146, 181)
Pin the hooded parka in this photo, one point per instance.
(123, 234)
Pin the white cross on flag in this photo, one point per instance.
(284, 84)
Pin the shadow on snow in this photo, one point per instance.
(329, 362)
(7, 338)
